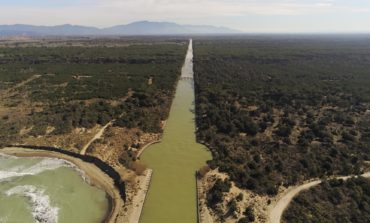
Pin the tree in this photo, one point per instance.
(249, 213)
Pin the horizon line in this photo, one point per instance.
(237, 31)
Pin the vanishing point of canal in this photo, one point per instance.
(172, 193)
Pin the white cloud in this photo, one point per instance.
(105, 13)
(200, 8)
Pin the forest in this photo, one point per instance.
(278, 110)
(52, 88)
(333, 201)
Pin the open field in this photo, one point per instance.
(276, 111)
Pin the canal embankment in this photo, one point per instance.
(176, 158)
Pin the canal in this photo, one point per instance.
(172, 194)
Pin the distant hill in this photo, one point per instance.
(135, 28)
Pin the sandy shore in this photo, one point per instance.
(96, 176)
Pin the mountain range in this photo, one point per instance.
(135, 28)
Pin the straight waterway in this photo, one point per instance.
(172, 193)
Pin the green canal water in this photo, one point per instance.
(172, 193)
(46, 190)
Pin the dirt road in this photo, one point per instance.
(276, 210)
(98, 135)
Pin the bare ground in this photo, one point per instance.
(258, 202)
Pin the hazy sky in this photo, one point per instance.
(245, 15)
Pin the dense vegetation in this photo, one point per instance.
(279, 110)
(216, 192)
(333, 201)
(81, 86)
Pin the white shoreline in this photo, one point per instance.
(96, 176)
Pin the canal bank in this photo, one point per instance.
(172, 194)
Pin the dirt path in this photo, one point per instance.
(98, 135)
(7, 91)
(276, 210)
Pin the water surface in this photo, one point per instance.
(172, 194)
(47, 190)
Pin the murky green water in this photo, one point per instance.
(172, 194)
(47, 191)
